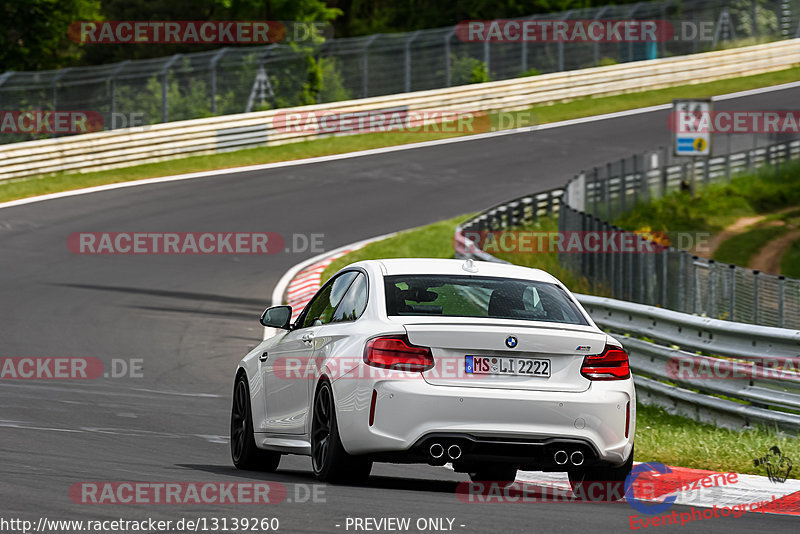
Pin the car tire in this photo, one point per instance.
(601, 483)
(244, 452)
(501, 473)
(330, 461)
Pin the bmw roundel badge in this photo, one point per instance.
(511, 342)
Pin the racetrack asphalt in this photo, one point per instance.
(191, 318)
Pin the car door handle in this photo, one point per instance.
(307, 338)
(263, 357)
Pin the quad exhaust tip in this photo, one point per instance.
(436, 451)
(454, 452)
(576, 458)
(560, 457)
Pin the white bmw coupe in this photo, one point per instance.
(489, 367)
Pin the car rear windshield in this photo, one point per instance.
(474, 296)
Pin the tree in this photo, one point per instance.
(197, 10)
(33, 33)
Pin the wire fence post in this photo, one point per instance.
(712, 307)
(112, 92)
(164, 87)
(54, 85)
(781, 290)
(607, 187)
(407, 53)
(623, 186)
(448, 67)
(755, 297)
(213, 74)
(596, 43)
(365, 66)
(732, 293)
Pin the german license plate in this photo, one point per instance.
(500, 365)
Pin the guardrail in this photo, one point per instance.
(755, 364)
(132, 146)
(659, 339)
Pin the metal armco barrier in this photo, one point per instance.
(770, 397)
(133, 146)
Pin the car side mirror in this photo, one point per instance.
(277, 317)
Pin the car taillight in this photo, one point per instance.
(397, 352)
(612, 364)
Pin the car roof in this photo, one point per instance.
(438, 266)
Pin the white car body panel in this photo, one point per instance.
(412, 405)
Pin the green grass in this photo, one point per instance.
(539, 114)
(544, 260)
(790, 262)
(436, 241)
(718, 205)
(675, 440)
(741, 248)
(430, 241)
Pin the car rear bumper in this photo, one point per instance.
(487, 424)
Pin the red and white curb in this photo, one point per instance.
(301, 282)
(307, 282)
(691, 487)
(699, 488)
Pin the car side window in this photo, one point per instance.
(320, 310)
(354, 302)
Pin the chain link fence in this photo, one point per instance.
(668, 277)
(241, 79)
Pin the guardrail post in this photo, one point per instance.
(213, 74)
(164, 83)
(781, 291)
(407, 53)
(755, 297)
